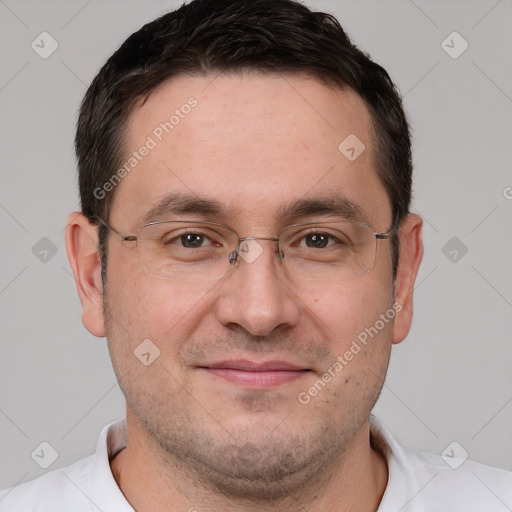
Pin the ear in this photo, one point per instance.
(411, 254)
(82, 249)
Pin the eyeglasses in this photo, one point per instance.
(190, 250)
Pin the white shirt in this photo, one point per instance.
(418, 482)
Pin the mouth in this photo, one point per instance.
(256, 375)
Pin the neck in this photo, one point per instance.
(151, 480)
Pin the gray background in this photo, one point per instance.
(451, 380)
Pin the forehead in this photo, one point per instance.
(253, 142)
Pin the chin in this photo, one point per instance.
(254, 459)
(260, 470)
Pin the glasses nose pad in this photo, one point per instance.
(249, 250)
(232, 257)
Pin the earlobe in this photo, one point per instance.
(82, 250)
(411, 254)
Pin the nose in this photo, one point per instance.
(256, 293)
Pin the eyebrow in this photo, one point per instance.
(332, 205)
(179, 204)
(182, 204)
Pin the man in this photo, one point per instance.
(246, 247)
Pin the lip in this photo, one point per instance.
(255, 366)
(256, 375)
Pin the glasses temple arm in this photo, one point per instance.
(124, 238)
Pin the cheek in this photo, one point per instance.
(166, 314)
(342, 311)
(148, 307)
(357, 317)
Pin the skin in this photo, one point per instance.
(198, 441)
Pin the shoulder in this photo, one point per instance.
(420, 481)
(63, 489)
(455, 480)
(452, 470)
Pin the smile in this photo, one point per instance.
(255, 375)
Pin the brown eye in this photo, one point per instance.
(191, 240)
(318, 240)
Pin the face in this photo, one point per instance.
(255, 144)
